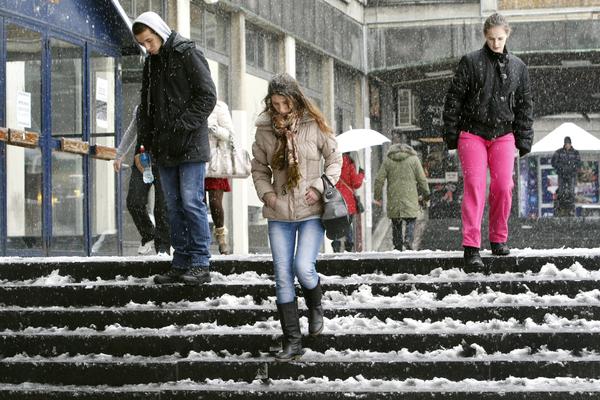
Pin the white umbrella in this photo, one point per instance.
(356, 139)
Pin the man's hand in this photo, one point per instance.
(311, 196)
(138, 163)
(378, 203)
(270, 199)
(117, 164)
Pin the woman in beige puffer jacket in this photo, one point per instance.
(292, 143)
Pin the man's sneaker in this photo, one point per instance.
(196, 276)
(173, 276)
(146, 248)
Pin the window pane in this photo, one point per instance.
(67, 202)
(102, 106)
(217, 38)
(24, 176)
(196, 24)
(67, 89)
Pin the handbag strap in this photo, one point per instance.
(326, 178)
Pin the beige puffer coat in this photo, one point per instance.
(313, 147)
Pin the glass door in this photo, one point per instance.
(24, 166)
(68, 169)
(103, 211)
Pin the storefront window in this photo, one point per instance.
(67, 89)
(309, 74)
(102, 106)
(23, 111)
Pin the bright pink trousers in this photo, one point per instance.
(476, 156)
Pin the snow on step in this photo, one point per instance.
(341, 325)
(356, 384)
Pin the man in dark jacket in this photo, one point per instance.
(178, 95)
(566, 162)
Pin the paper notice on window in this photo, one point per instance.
(102, 89)
(23, 109)
(101, 103)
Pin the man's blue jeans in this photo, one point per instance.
(295, 246)
(183, 187)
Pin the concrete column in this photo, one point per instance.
(183, 18)
(328, 80)
(240, 187)
(366, 194)
(289, 51)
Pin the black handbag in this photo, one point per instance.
(335, 217)
(360, 208)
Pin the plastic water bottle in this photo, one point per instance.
(148, 176)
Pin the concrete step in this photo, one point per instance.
(98, 370)
(118, 341)
(413, 262)
(121, 295)
(18, 318)
(411, 389)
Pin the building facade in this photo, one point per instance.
(73, 73)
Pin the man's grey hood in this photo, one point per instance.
(156, 23)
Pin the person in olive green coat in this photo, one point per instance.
(406, 181)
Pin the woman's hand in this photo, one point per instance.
(270, 199)
(311, 196)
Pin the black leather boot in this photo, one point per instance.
(472, 257)
(500, 249)
(291, 342)
(315, 310)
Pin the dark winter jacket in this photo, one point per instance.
(566, 162)
(490, 97)
(406, 180)
(178, 95)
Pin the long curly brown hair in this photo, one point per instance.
(284, 126)
(286, 86)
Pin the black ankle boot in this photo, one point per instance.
(500, 249)
(472, 257)
(315, 310)
(291, 342)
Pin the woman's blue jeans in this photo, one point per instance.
(183, 187)
(295, 246)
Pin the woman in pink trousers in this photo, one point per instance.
(488, 112)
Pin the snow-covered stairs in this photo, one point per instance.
(398, 326)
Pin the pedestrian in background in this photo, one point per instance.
(178, 95)
(220, 133)
(350, 180)
(406, 185)
(292, 142)
(566, 162)
(487, 113)
(152, 237)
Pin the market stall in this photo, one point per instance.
(538, 181)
